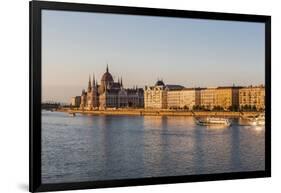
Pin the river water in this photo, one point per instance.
(89, 148)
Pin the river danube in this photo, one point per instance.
(89, 148)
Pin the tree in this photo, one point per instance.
(196, 107)
(233, 108)
(217, 108)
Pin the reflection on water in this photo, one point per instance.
(87, 148)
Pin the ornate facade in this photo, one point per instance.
(161, 96)
(220, 97)
(156, 97)
(110, 94)
(252, 97)
(185, 98)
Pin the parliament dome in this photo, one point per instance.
(107, 77)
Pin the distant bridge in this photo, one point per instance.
(50, 106)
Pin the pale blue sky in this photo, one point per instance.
(190, 52)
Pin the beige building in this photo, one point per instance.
(173, 99)
(185, 98)
(220, 97)
(155, 97)
(252, 97)
(227, 97)
(208, 98)
(163, 96)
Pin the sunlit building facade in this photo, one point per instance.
(208, 98)
(159, 95)
(163, 96)
(252, 97)
(185, 98)
(227, 98)
(155, 97)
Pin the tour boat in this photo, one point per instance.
(214, 121)
(259, 120)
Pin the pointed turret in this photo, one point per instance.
(121, 82)
(89, 84)
(94, 81)
(107, 68)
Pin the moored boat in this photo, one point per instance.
(258, 120)
(214, 121)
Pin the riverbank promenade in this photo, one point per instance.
(154, 112)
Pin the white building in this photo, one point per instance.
(155, 97)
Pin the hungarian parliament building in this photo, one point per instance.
(108, 94)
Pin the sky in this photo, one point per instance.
(142, 49)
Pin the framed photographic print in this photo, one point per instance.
(125, 96)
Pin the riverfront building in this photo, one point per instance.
(185, 98)
(208, 98)
(227, 98)
(156, 97)
(252, 97)
(110, 94)
(161, 96)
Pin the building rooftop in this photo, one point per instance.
(174, 87)
(159, 83)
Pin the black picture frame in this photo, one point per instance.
(35, 184)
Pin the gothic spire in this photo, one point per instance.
(107, 68)
(121, 82)
(89, 83)
(94, 83)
